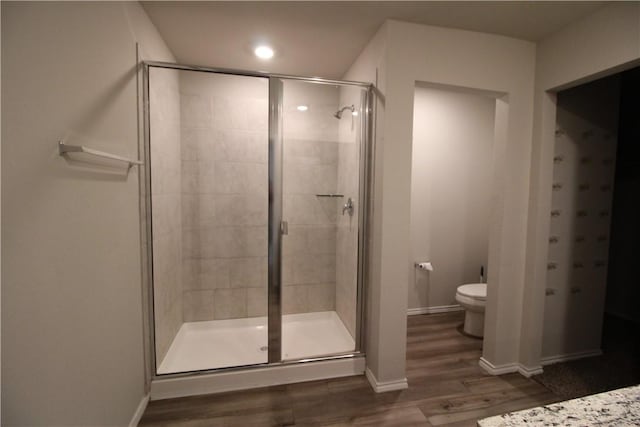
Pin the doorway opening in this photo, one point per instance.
(591, 340)
(455, 134)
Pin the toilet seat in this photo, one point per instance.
(476, 291)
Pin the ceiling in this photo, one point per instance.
(322, 39)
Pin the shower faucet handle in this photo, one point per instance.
(348, 207)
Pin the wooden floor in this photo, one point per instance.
(446, 388)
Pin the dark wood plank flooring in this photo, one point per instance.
(446, 388)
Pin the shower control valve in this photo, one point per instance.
(348, 207)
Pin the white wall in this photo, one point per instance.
(600, 44)
(482, 62)
(402, 54)
(72, 317)
(382, 318)
(450, 192)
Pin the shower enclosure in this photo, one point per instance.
(255, 210)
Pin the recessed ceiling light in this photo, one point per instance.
(302, 107)
(263, 52)
(355, 113)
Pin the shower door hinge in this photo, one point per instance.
(284, 228)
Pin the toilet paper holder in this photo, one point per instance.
(424, 266)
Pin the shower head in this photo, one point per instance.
(338, 114)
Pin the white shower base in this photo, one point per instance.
(239, 342)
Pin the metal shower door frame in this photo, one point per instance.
(274, 281)
(274, 292)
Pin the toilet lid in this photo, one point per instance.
(474, 290)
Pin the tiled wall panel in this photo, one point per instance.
(166, 201)
(347, 226)
(225, 196)
(310, 158)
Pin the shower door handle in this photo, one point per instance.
(284, 228)
(348, 207)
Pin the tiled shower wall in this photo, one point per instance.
(310, 168)
(347, 226)
(582, 194)
(222, 181)
(166, 198)
(225, 195)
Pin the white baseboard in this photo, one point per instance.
(382, 387)
(433, 310)
(137, 416)
(529, 371)
(492, 369)
(509, 368)
(550, 360)
(257, 377)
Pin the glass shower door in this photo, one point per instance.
(254, 194)
(208, 155)
(321, 134)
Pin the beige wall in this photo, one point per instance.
(72, 317)
(600, 44)
(450, 192)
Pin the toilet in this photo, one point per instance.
(472, 297)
